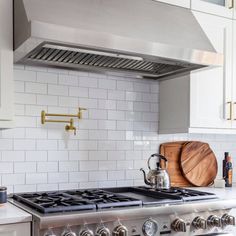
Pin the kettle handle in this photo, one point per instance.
(160, 157)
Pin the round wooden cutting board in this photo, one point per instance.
(198, 163)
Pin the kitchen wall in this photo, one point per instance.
(114, 139)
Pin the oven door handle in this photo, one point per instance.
(216, 234)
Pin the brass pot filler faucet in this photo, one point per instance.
(70, 126)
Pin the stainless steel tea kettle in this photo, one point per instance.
(157, 178)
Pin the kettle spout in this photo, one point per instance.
(145, 177)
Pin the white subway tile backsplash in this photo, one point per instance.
(25, 98)
(142, 87)
(13, 156)
(47, 78)
(19, 110)
(68, 80)
(13, 179)
(66, 186)
(116, 175)
(36, 178)
(115, 137)
(68, 166)
(25, 188)
(88, 82)
(57, 90)
(24, 75)
(57, 155)
(107, 165)
(78, 177)
(35, 133)
(107, 104)
(88, 145)
(97, 155)
(47, 100)
(78, 92)
(19, 86)
(124, 85)
(51, 166)
(25, 167)
(98, 93)
(35, 88)
(116, 115)
(13, 133)
(97, 175)
(106, 124)
(78, 155)
(58, 177)
(47, 187)
(116, 155)
(107, 84)
(116, 95)
(97, 114)
(97, 134)
(133, 96)
(88, 165)
(46, 145)
(6, 168)
(24, 144)
(34, 155)
(107, 145)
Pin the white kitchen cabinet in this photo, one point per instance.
(223, 8)
(22, 229)
(198, 103)
(6, 64)
(233, 87)
(180, 3)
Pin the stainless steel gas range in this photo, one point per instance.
(133, 211)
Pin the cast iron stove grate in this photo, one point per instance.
(50, 202)
(75, 200)
(179, 193)
(105, 199)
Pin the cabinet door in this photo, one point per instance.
(22, 229)
(210, 88)
(217, 7)
(6, 63)
(181, 3)
(234, 77)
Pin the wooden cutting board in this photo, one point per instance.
(172, 151)
(198, 163)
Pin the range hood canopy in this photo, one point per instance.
(140, 37)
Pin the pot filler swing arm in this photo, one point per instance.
(70, 123)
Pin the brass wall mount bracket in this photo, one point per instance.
(70, 126)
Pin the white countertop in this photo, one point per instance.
(223, 193)
(10, 214)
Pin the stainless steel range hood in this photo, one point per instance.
(140, 37)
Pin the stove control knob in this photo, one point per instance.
(102, 231)
(49, 233)
(86, 232)
(199, 223)
(120, 230)
(227, 220)
(178, 225)
(213, 221)
(68, 232)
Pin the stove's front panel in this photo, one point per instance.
(153, 226)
